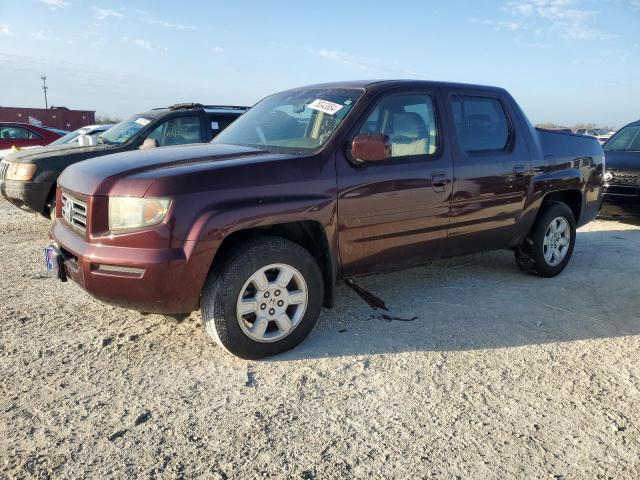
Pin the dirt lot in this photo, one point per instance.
(501, 375)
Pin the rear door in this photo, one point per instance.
(492, 169)
(395, 212)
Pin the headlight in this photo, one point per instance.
(608, 176)
(21, 171)
(127, 213)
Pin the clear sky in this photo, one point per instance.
(565, 61)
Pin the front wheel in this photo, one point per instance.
(549, 246)
(264, 299)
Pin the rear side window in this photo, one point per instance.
(220, 122)
(481, 123)
(409, 121)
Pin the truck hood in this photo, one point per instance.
(33, 155)
(131, 173)
(622, 160)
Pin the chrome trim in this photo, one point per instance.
(4, 168)
(74, 212)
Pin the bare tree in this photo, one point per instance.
(586, 126)
(549, 126)
(107, 119)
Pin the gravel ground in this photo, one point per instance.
(501, 375)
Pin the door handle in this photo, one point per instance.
(439, 182)
(520, 170)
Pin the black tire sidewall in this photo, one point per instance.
(537, 236)
(224, 284)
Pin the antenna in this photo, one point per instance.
(44, 89)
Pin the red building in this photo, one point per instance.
(56, 117)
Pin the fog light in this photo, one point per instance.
(116, 269)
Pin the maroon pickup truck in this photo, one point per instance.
(317, 184)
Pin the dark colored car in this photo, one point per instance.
(25, 135)
(316, 184)
(622, 181)
(28, 178)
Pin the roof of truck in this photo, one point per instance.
(384, 84)
(231, 109)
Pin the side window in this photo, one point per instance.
(220, 122)
(177, 131)
(33, 135)
(409, 121)
(14, 133)
(481, 123)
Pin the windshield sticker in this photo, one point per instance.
(325, 106)
(215, 126)
(143, 121)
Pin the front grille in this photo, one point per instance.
(622, 177)
(4, 167)
(74, 212)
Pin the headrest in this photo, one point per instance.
(409, 124)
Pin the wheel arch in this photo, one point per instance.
(309, 234)
(571, 198)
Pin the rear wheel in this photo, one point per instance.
(548, 248)
(264, 299)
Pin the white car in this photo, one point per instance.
(80, 135)
(600, 134)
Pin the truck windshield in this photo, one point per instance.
(626, 140)
(124, 131)
(296, 122)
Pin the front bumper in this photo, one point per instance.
(622, 194)
(622, 199)
(31, 196)
(146, 280)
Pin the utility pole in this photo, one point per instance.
(44, 89)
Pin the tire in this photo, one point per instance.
(530, 255)
(263, 331)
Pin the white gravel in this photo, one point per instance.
(502, 375)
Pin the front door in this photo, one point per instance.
(492, 168)
(395, 212)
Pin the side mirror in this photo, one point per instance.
(83, 140)
(371, 147)
(149, 143)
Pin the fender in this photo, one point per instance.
(220, 222)
(543, 184)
